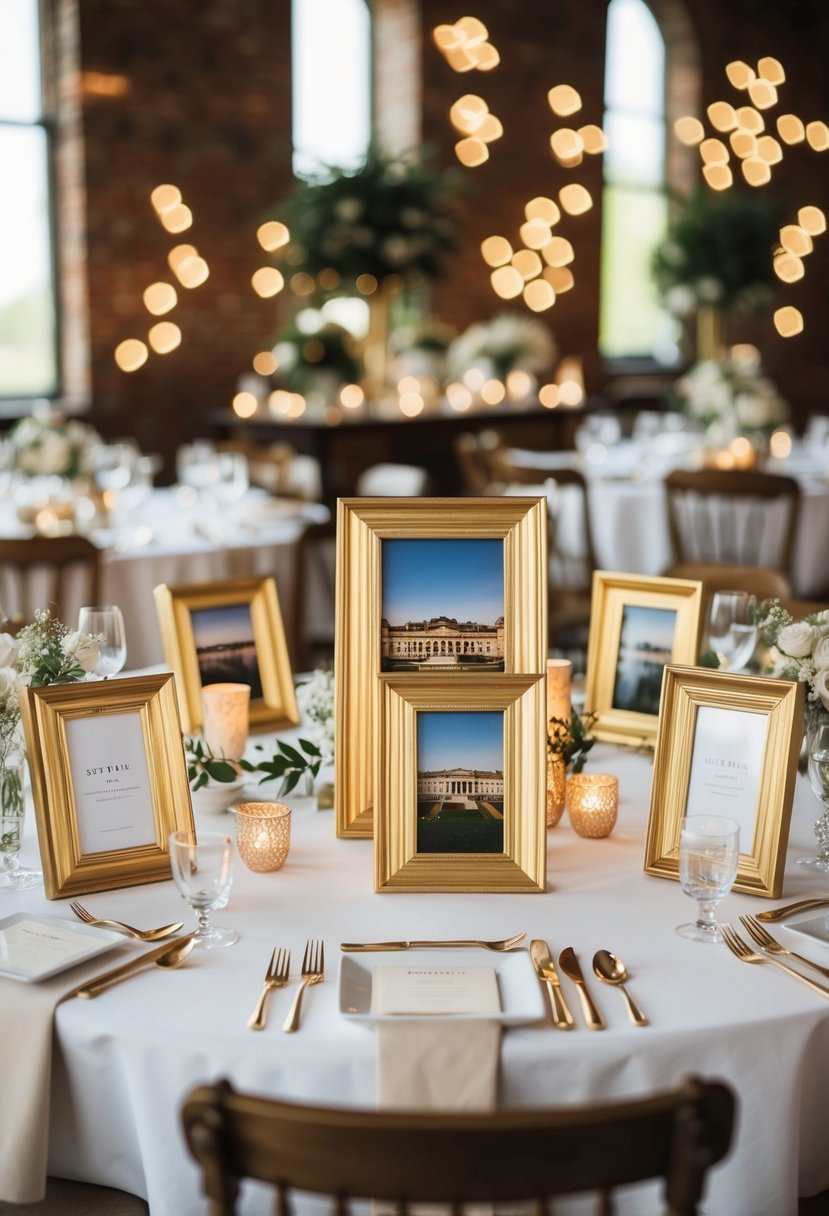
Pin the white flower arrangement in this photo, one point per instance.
(506, 342)
(732, 395)
(47, 444)
(799, 650)
(315, 698)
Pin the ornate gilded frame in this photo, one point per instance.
(611, 594)
(175, 606)
(362, 525)
(522, 865)
(684, 691)
(47, 713)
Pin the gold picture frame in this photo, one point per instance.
(660, 615)
(515, 857)
(727, 744)
(109, 781)
(228, 609)
(363, 526)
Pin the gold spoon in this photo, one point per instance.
(611, 970)
(171, 956)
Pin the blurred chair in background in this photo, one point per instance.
(310, 630)
(38, 571)
(393, 481)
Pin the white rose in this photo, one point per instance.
(85, 649)
(821, 653)
(796, 640)
(822, 687)
(8, 650)
(8, 684)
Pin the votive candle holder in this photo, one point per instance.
(225, 710)
(556, 780)
(593, 803)
(263, 834)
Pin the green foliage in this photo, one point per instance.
(329, 348)
(571, 740)
(287, 764)
(203, 766)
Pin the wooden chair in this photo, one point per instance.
(458, 1158)
(474, 474)
(310, 641)
(35, 573)
(759, 581)
(733, 516)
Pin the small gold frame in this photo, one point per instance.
(362, 525)
(611, 595)
(175, 606)
(521, 867)
(684, 691)
(47, 715)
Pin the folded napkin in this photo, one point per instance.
(438, 1064)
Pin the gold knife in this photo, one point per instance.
(570, 966)
(545, 969)
(99, 982)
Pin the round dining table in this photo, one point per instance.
(123, 1062)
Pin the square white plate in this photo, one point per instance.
(810, 933)
(73, 943)
(521, 996)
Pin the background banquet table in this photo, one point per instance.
(171, 539)
(124, 1061)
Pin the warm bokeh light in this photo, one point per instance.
(366, 284)
(790, 128)
(272, 235)
(593, 138)
(762, 94)
(328, 278)
(519, 384)
(131, 354)
(447, 37)
(739, 74)
(460, 60)
(817, 136)
(244, 405)
(331, 416)
(527, 263)
(812, 219)
(459, 397)
(771, 70)
(714, 152)
(493, 392)
(177, 219)
(564, 100)
(496, 250)
(490, 129)
(534, 233)
(507, 282)
(570, 393)
(769, 150)
(756, 172)
(351, 396)
(743, 143)
(467, 113)
(165, 197)
(471, 152)
(566, 144)
(303, 284)
(267, 282)
(796, 240)
(718, 177)
(192, 272)
(179, 254)
(722, 116)
(264, 363)
(560, 278)
(160, 298)
(411, 404)
(575, 199)
(484, 56)
(543, 208)
(539, 295)
(689, 130)
(788, 267)
(558, 252)
(164, 337)
(408, 384)
(549, 396)
(788, 321)
(474, 379)
(780, 445)
(472, 31)
(751, 120)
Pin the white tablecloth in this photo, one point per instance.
(124, 1061)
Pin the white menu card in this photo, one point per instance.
(434, 991)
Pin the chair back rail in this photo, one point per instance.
(459, 1158)
(36, 572)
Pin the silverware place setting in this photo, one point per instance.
(801, 905)
(741, 950)
(170, 955)
(143, 935)
(610, 969)
(546, 971)
(313, 972)
(500, 947)
(277, 976)
(571, 967)
(769, 945)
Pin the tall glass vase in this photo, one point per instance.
(376, 349)
(13, 876)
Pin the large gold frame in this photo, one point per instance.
(277, 706)
(611, 594)
(66, 869)
(362, 525)
(684, 690)
(522, 866)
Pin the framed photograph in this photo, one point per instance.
(109, 781)
(637, 625)
(426, 586)
(461, 794)
(727, 745)
(228, 632)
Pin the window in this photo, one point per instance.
(331, 57)
(28, 318)
(632, 322)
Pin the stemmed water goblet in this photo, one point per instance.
(732, 632)
(709, 853)
(106, 623)
(202, 872)
(818, 749)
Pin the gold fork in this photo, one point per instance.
(144, 935)
(746, 955)
(276, 976)
(312, 973)
(766, 942)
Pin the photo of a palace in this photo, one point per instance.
(460, 806)
(440, 642)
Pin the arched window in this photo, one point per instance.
(28, 316)
(632, 323)
(331, 58)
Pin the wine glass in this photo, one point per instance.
(106, 623)
(13, 876)
(709, 853)
(732, 632)
(202, 873)
(818, 749)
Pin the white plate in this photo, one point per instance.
(521, 996)
(809, 933)
(62, 944)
